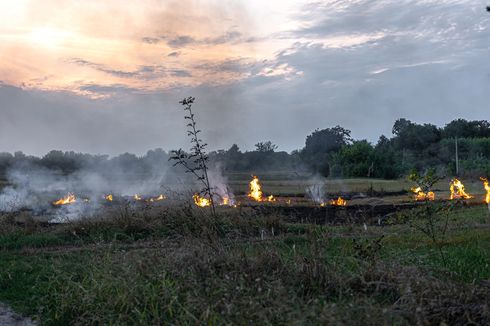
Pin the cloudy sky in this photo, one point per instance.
(106, 76)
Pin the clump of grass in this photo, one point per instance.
(181, 266)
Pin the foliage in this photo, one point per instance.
(265, 147)
(330, 152)
(196, 162)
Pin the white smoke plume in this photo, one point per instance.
(220, 190)
(35, 188)
(315, 190)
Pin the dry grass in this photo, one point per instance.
(182, 266)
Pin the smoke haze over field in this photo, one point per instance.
(106, 78)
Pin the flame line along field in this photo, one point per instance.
(457, 191)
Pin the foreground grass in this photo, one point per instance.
(184, 267)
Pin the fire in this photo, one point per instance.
(420, 195)
(159, 198)
(487, 188)
(136, 197)
(338, 202)
(109, 197)
(201, 201)
(457, 190)
(68, 199)
(225, 201)
(256, 191)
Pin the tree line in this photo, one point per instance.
(331, 152)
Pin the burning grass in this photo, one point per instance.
(457, 190)
(184, 266)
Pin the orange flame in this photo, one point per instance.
(256, 191)
(457, 190)
(420, 195)
(338, 202)
(201, 201)
(68, 199)
(159, 198)
(109, 197)
(487, 188)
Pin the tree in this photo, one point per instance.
(412, 136)
(462, 128)
(320, 144)
(356, 159)
(265, 147)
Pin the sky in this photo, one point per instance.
(106, 76)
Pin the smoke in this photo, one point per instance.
(35, 188)
(315, 189)
(221, 190)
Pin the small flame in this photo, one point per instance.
(159, 198)
(109, 197)
(420, 195)
(225, 201)
(457, 190)
(136, 197)
(323, 204)
(486, 185)
(338, 202)
(271, 198)
(68, 199)
(201, 201)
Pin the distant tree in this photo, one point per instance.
(412, 136)
(356, 159)
(234, 149)
(400, 126)
(265, 147)
(320, 144)
(462, 128)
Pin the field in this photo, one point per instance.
(182, 265)
(272, 263)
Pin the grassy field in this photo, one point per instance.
(291, 184)
(184, 266)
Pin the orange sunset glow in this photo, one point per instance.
(144, 45)
(55, 45)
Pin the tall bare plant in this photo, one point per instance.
(195, 162)
(427, 219)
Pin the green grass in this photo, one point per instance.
(185, 267)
